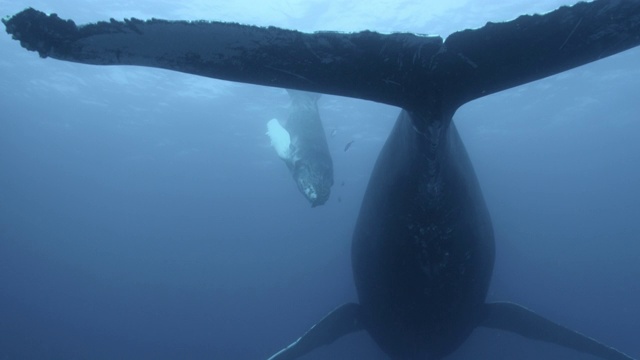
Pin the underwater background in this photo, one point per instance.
(144, 215)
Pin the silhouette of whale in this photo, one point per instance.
(423, 247)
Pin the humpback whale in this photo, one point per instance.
(301, 143)
(423, 246)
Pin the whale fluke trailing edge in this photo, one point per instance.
(423, 246)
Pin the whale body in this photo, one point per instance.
(300, 141)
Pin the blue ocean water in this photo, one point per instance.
(143, 214)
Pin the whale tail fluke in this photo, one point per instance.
(520, 320)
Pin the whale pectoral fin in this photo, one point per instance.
(520, 320)
(344, 320)
(280, 139)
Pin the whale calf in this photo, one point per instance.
(301, 143)
(423, 246)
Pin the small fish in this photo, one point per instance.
(334, 132)
(346, 147)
